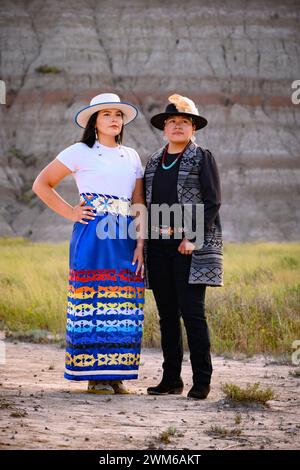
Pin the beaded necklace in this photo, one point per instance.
(168, 167)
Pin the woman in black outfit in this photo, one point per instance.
(177, 268)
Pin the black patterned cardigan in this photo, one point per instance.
(207, 262)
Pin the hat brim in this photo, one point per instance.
(129, 111)
(158, 120)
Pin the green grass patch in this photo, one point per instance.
(47, 69)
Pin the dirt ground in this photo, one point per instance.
(39, 409)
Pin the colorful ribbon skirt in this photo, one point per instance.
(106, 298)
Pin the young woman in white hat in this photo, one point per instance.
(178, 271)
(106, 287)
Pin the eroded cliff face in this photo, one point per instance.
(236, 60)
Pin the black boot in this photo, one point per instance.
(199, 391)
(167, 388)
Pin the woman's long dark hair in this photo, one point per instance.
(89, 135)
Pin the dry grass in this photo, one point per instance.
(251, 393)
(219, 431)
(257, 311)
(164, 436)
(33, 285)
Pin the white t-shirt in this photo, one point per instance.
(113, 172)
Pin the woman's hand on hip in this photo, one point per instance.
(186, 247)
(138, 256)
(81, 212)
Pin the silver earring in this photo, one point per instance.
(165, 139)
(97, 142)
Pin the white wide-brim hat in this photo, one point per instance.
(106, 101)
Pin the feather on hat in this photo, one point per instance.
(179, 105)
(183, 104)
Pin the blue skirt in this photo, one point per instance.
(106, 298)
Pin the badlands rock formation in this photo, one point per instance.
(236, 59)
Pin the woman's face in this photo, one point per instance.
(178, 129)
(109, 122)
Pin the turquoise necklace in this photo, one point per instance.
(168, 167)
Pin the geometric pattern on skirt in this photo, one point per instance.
(105, 305)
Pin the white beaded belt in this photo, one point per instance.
(107, 204)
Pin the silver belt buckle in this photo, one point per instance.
(165, 230)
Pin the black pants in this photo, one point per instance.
(168, 275)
